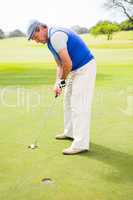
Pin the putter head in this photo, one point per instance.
(33, 146)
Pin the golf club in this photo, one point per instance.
(35, 144)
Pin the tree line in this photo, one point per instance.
(15, 33)
(102, 27)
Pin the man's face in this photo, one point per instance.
(40, 35)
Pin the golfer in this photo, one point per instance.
(76, 72)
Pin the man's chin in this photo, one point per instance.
(43, 42)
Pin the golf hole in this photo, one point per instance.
(33, 146)
(47, 181)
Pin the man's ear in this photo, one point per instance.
(41, 27)
(38, 29)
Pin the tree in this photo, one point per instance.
(16, 33)
(2, 34)
(80, 30)
(126, 25)
(105, 28)
(126, 6)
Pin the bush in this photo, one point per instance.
(16, 33)
(126, 25)
(80, 30)
(2, 34)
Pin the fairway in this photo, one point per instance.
(29, 110)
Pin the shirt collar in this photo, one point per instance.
(49, 29)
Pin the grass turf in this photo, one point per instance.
(104, 173)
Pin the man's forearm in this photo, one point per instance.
(62, 72)
(59, 72)
(65, 71)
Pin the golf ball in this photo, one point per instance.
(32, 146)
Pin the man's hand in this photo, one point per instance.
(57, 90)
(58, 87)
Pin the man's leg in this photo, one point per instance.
(82, 94)
(68, 130)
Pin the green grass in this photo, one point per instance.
(104, 173)
(120, 40)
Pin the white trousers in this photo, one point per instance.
(77, 104)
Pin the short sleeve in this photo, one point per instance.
(59, 41)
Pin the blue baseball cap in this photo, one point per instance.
(32, 28)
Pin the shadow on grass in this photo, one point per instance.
(35, 76)
(122, 162)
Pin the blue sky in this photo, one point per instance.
(17, 14)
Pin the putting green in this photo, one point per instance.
(29, 110)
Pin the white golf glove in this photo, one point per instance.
(61, 83)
